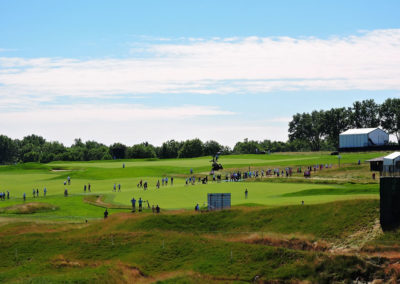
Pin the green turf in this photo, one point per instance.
(103, 251)
(22, 178)
(52, 243)
(330, 221)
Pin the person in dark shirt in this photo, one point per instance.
(133, 201)
(140, 204)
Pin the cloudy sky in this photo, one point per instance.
(134, 71)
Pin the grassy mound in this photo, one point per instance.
(178, 248)
(346, 190)
(29, 208)
(331, 220)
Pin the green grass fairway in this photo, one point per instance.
(102, 175)
(57, 239)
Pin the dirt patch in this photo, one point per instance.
(61, 261)
(98, 200)
(29, 208)
(357, 241)
(291, 243)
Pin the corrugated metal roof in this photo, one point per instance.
(380, 159)
(392, 156)
(359, 131)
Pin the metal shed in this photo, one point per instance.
(391, 164)
(363, 137)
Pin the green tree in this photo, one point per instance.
(169, 149)
(309, 128)
(389, 114)
(8, 149)
(141, 151)
(365, 114)
(336, 120)
(212, 147)
(118, 150)
(247, 147)
(191, 148)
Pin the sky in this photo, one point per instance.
(135, 71)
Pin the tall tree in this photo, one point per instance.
(365, 114)
(212, 147)
(389, 114)
(118, 150)
(336, 120)
(191, 148)
(169, 149)
(141, 151)
(308, 127)
(8, 149)
(248, 147)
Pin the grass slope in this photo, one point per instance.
(127, 249)
(332, 220)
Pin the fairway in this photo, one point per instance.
(102, 175)
(334, 205)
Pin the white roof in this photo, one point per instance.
(392, 156)
(359, 131)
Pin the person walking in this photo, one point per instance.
(133, 201)
(105, 214)
(140, 204)
(44, 192)
(246, 192)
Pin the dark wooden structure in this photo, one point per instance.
(376, 165)
(389, 203)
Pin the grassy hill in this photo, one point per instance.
(270, 236)
(189, 247)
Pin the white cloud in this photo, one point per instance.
(132, 124)
(368, 61)
(110, 113)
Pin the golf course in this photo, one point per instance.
(102, 175)
(323, 229)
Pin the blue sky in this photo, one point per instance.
(134, 71)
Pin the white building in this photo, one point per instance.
(363, 137)
(391, 163)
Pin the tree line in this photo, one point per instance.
(34, 148)
(318, 130)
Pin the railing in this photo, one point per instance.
(390, 173)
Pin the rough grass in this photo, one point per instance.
(181, 246)
(29, 208)
(111, 252)
(330, 221)
(345, 190)
(71, 208)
